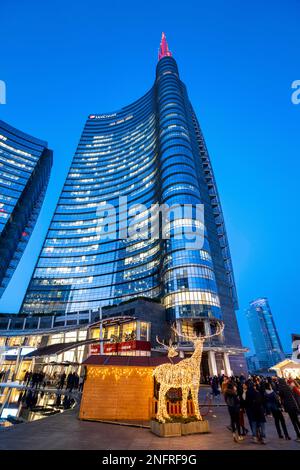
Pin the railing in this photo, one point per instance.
(173, 408)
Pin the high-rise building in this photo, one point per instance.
(267, 345)
(151, 152)
(25, 164)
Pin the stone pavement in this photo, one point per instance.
(65, 431)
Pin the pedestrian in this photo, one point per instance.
(224, 384)
(273, 406)
(295, 390)
(215, 390)
(245, 402)
(255, 402)
(58, 401)
(26, 377)
(233, 405)
(70, 382)
(240, 392)
(81, 382)
(76, 380)
(290, 405)
(62, 381)
(29, 376)
(7, 375)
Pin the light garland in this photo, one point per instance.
(118, 373)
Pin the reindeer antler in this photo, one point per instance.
(219, 330)
(177, 332)
(172, 352)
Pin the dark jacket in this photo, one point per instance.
(232, 400)
(255, 404)
(272, 401)
(287, 397)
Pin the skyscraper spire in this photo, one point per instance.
(164, 48)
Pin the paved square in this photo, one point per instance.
(66, 431)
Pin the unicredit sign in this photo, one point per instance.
(101, 116)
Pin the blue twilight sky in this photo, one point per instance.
(62, 60)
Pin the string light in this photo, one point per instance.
(118, 373)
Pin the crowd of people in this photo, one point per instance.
(35, 379)
(39, 379)
(258, 397)
(70, 381)
(30, 398)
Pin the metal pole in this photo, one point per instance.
(17, 365)
(101, 333)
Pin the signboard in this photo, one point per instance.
(101, 116)
(134, 346)
(110, 348)
(94, 349)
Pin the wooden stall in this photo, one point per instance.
(119, 387)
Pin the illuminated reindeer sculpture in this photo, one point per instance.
(185, 375)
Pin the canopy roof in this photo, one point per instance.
(286, 364)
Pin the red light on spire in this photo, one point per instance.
(164, 48)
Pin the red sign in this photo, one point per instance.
(94, 349)
(134, 346)
(109, 348)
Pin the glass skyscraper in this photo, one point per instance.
(25, 164)
(267, 345)
(152, 152)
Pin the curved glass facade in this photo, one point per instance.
(25, 164)
(150, 152)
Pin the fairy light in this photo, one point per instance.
(118, 373)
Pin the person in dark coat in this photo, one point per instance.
(255, 403)
(76, 380)
(242, 390)
(215, 386)
(290, 405)
(70, 381)
(58, 401)
(233, 404)
(62, 380)
(28, 400)
(35, 380)
(273, 406)
(28, 379)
